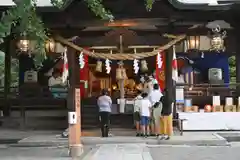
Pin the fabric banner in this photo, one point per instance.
(160, 74)
(84, 76)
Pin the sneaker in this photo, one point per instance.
(152, 134)
(162, 137)
(146, 135)
(167, 138)
(138, 135)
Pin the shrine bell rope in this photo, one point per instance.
(121, 56)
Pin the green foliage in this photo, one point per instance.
(14, 71)
(232, 68)
(22, 20)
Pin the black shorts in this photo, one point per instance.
(136, 116)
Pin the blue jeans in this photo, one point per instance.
(145, 120)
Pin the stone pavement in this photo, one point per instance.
(53, 138)
(195, 138)
(120, 152)
(195, 153)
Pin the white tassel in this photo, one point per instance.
(81, 61)
(159, 60)
(135, 66)
(107, 65)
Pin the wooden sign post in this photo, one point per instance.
(74, 106)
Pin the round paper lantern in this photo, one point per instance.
(207, 108)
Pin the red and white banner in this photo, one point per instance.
(84, 72)
(174, 66)
(65, 66)
(160, 72)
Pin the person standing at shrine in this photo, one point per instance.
(137, 118)
(154, 98)
(145, 113)
(166, 118)
(104, 103)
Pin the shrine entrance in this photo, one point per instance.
(117, 68)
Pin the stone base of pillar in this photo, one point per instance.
(76, 150)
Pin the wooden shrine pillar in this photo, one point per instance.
(7, 76)
(74, 104)
(168, 125)
(168, 76)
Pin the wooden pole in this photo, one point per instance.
(121, 81)
(7, 75)
(169, 85)
(74, 105)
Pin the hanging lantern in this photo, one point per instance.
(217, 39)
(99, 66)
(193, 42)
(23, 45)
(144, 66)
(50, 46)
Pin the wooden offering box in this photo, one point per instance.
(187, 109)
(230, 108)
(218, 108)
(195, 108)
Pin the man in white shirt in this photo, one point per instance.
(145, 113)
(56, 85)
(154, 98)
(55, 79)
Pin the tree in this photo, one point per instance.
(22, 20)
(232, 68)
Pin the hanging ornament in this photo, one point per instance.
(119, 75)
(121, 72)
(159, 60)
(81, 60)
(107, 65)
(135, 66)
(144, 66)
(124, 74)
(217, 39)
(99, 66)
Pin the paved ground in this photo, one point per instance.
(195, 153)
(159, 152)
(187, 139)
(36, 145)
(120, 152)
